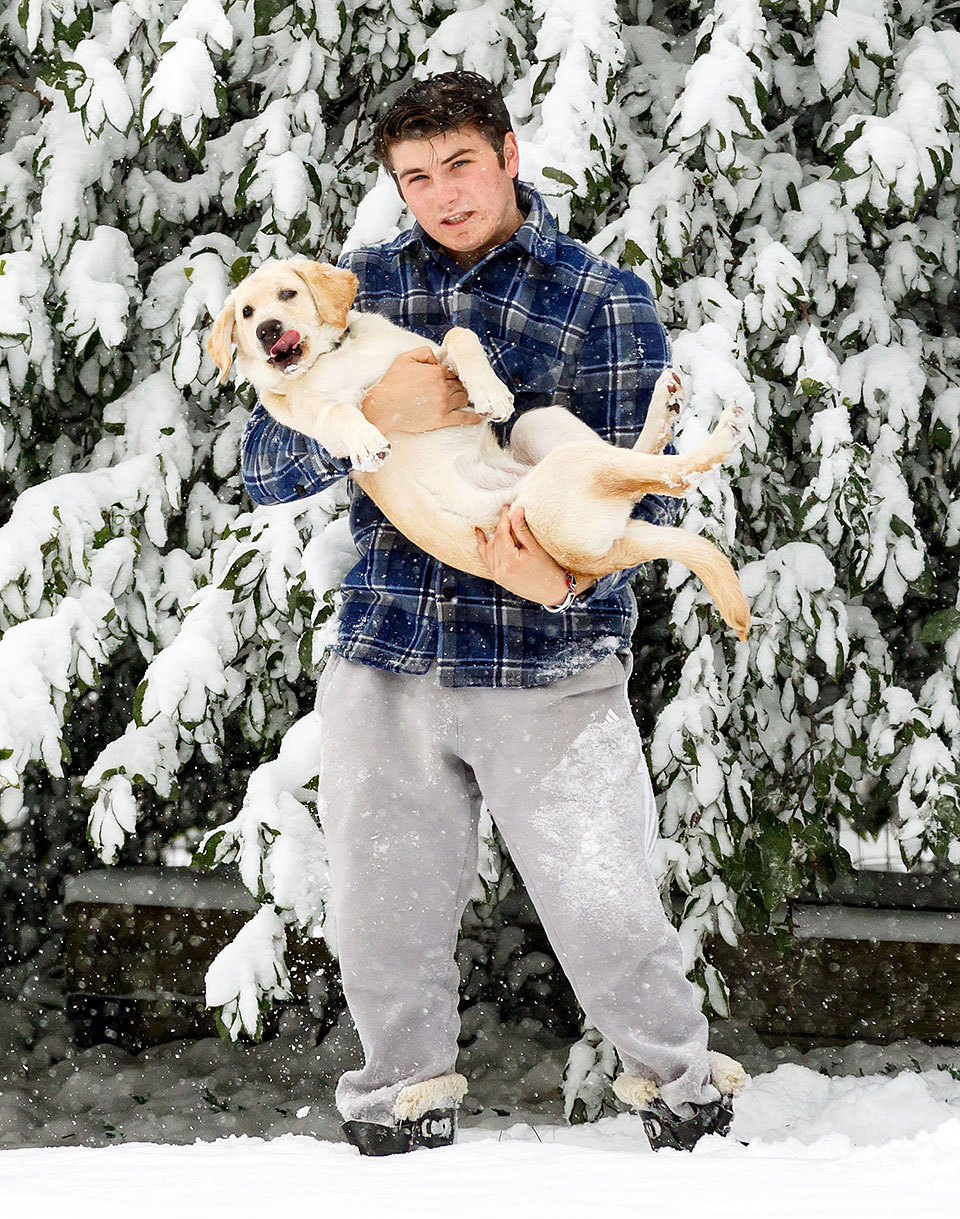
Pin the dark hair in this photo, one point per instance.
(443, 103)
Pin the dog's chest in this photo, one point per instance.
(371, 345)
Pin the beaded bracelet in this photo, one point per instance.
(568, 599)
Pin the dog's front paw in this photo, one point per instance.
(369, 459)
(492, 400)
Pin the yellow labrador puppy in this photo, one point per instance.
(312, 358)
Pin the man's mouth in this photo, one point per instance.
(287, 350)
(451, 222)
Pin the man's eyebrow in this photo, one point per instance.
(405, 173)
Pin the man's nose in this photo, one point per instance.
(446, 192)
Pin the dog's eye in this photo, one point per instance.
(286, 294)
(248, 311)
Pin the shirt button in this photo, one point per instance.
(447, 589)
(300, 489)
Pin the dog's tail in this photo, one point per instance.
(643, 542)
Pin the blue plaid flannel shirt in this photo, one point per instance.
(560, 325)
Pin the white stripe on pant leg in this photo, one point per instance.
(651, 818)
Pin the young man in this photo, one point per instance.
(445, 687)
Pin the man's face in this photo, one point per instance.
(458, 190)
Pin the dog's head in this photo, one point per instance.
(281, 319)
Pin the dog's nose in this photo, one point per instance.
(268, 332)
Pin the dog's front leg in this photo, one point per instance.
(343, 430)
(487, 393)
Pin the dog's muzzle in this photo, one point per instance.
(284, 346)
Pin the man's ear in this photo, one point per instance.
(511, 154)
(333, 290)
(223, 335)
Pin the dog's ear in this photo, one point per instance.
(223, 335)
(333, 290)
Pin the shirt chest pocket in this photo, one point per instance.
(532, 375)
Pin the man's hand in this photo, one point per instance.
(418, 394)
(519, 563)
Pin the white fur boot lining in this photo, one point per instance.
(635, 1091)
(726, 1075)
(415, 1100)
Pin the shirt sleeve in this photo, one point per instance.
(280, 465)
(625, 351)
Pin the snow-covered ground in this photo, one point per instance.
(599, 1172)
(202, 1129)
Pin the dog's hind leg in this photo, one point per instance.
(539, 431)
(661, 413)
(629, 472)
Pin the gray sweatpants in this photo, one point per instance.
(403, 764)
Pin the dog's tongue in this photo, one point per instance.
(285, 343)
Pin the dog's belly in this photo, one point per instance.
(437, 486)
(458, 471)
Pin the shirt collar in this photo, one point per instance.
(537, 235)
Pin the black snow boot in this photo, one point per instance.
(664, 1128)
(438, 1128)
